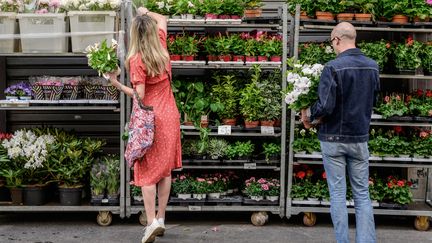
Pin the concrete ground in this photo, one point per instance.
(191, 228)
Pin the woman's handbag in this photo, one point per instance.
(141, 130)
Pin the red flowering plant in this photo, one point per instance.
(5, 136)
(217, 183)
(320, 189)
(422, 143)
(397, 191)
(378, 51)
(393, 105)
(408, 54)
(376, 188)
(302, 186)
(389, 143)
(420, 102)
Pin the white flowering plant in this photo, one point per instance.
(91, 5)
(11, 5)
(302, 88)
(103, 58)
(30, 151)
(187, 7)
(164, 7)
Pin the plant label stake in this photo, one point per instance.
(265, 130)
(224, 130)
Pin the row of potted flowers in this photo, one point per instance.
(255, 96)
(209, 9)
(311, 185)
(218, 149)
(418, 103)
(57, 6)
(34, 159)
(400, 11)
(406, 57)
(243, 47)
(62, 88)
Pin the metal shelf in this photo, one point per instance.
(397, 76)
(364, 28)
(35, 105)
(414, 209)
(223, 65)
(205, 208)
(56, 207)
(221, 24)
(234, 134)
(228, 167)
(65, 54)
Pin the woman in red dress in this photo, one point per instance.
(150, 71)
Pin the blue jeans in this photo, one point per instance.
(354, 156)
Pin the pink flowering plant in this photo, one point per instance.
(274, 187)
(255, 187)
(48, 6)
(392, 105)
(200, 186)
(182, 184)
(11, 5)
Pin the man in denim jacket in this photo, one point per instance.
(347, 93)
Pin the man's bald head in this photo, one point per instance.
(345, 30)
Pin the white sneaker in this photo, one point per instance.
(162, 224)
(151, 231)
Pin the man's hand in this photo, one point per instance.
(305, 119)
(141, 11)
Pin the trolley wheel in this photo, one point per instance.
(259, 218)
(104, 218)
(421, 223)
(309, 219)
(143, 219)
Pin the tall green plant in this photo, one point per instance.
(225, 93)
(251, 101)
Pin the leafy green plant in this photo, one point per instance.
(182, 184)
(225, 93)
(420, 103)
(209, 44)
(212, 7)
(306, 141)
(420, 9)
(392, 8)
(223, 44)
(136, 191)
(98, 182)
(426, 57)
(232, 7)
(271, 149)
(250, 47)
(252, 4)
(240, 149)
(307, 6)
(332, 6)
(270, 92)
(112, 163)
(186, 7)
(422, 144)
(398, 191)
(251, 101)
(311, 53)
(216, 148)
(378, 51)
(376, 188)
(200, 186)
(407, 55)
(393, 105)
(389, 144)
(238, 45)
(366, 6)
(103, 58)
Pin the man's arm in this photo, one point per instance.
(326, 96)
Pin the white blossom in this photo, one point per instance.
(328, 50)
(160, 4)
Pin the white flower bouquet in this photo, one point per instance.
(302, 89)
(91, 5)
(103, 58)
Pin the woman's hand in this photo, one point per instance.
(142, 10)
(112, 76)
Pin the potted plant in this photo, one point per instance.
(98, 182)
(20, 91)
(217, 185)
(136, 195)
(426, 57)
(240, 150)
(189, 46)
(420, 103)
(223, 44)
(225, 93)
(164, 7)
(200, 188)
(274, 48)
(12, 173)
(209, 44)
(274, 190)
(422, 144)
(186, 8)
(376, 189)
(238, 48)
(301, 188)
(408, 56)
(182, 186)
(256, 190)
(112, 163)
(393, 105)
(252, 8)
(212, 8)
(307, 8)
(366, 9)
(174, 45)
(250, 48)
(378, 51)
(326, 9)
(396, 10)
(346, 10)
(216, 148)
(232, 9)
(251, 101)
(270, 91)
(271, 151)
(420, 11)
(397, 191)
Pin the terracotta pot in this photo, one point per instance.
(276, 58)
(262, 59)
(418, 20)
(251, 124)
(188, 123)
(303, 15)
(235, 17)
(399, 18)
(267, 123)
(345, 16)
(212, 58)
(224, 16)
(229, 122)
(324, 15)
(252, 13)
(204, 124)
(251, 59)
(188, 58)
(363, 17)
(277, 123)
(211, 16)
(224, 58)
(238, 58)
(175, 57)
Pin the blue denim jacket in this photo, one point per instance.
(347, 92)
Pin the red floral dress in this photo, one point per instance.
(165, 153)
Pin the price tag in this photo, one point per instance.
(194, 208)
(250, 166)
(224, 130)
(105, 200)
(267, 130)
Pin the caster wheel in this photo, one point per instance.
(421, 223)
(143, 219)
(309, 219)
(259, 218)
(104, 218)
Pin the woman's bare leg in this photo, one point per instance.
(164, 188)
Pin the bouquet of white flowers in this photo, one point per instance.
(302, 90)
(27, 145)
(103, 58)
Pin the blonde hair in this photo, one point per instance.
(144, 39)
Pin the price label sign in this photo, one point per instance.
(250, 166)
(105, 200)
(194, 208)
(224, 130)
(265, 130)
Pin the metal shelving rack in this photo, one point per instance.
(421, 209)
(284, 26)
(105, 116)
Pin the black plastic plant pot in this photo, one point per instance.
(70, 196)
(34, 195)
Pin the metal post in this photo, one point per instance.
(122, 115)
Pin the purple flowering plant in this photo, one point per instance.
(20, 89)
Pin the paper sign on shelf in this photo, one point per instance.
(194, 208)
(224, 130)
(267, 130)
